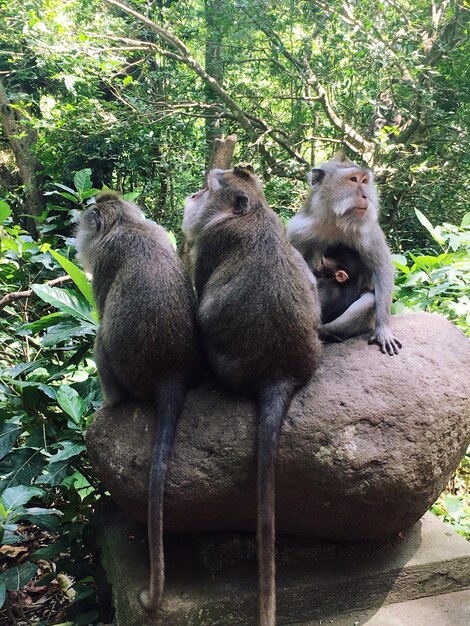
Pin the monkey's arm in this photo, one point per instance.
(357, 319)
(382, 278)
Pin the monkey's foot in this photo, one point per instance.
(387, 343)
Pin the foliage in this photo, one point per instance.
(438, 282)
(48, 392)
(106, 100)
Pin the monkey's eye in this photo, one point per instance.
(354, 179)
(365, 181)
(241, 205)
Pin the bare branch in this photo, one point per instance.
(185, 57)
(28, 293)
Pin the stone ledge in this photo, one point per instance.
(429, 559)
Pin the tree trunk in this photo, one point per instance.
(213, 66)
(21, 138)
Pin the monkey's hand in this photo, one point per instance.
(327, 336)
(384, 338)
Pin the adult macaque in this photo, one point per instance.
(259, 316)
(343, 209)
(146, 344)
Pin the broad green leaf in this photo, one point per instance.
(172, 238)
(465, 220)
(22, 466)
(69, 450)
(14, 497)
(9, 434)
(429, 227)
(25, 368)
(82, 180)
(44, 322)
(56, 472)
(131, 196)
(17, 577)
(5, 211)
(77, 275)
(70, 402)
(61, 186)
(66, 330)
(66, 300)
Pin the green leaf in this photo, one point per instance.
(131, 196)
(465, 220)
(3, 592)
(66, 330)
(9, 433)
(429, 227)
(22, 466)
(65, 300)
(69, 450)
(56, 472)
(82, 180)
(5, 211)
(17, 577)
(70, 402)
(77, 275)
(14, 497)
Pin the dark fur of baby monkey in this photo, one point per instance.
(146, 346)
(259, 316)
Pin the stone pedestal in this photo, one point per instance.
(211, 577)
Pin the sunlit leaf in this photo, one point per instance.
(66, 300)
(14, 497)
(70, 402)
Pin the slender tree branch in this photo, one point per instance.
(18, 295)
(184, 56)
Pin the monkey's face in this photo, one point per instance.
(229, 194)
(347, 192)
(329, 270)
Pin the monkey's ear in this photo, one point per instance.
(95, 216)
(341, 276)
(241, 205)
(316, 176)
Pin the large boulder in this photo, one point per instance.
(367, 445)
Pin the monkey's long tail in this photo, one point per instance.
(169, 404)
(274, 401)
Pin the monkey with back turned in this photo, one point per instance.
(146, 346)
(343, 209)
(259, 316)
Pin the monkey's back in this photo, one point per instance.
(258, 312)
(147, 308)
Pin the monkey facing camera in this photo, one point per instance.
(259, 317)
(342, 209)
(146, 344)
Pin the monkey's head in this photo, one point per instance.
(230, 194)
(339, 264)
(345, 191)
(97, 220)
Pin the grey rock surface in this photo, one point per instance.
(367, 445)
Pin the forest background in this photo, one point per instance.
(100, 94)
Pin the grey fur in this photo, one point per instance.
(259, 317)
(146, 345)
(329, 218)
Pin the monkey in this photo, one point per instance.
(342, 208)
(147, 344)
(258, 318)
(341, 278)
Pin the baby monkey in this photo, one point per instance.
(146, 345)
(341, 279)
